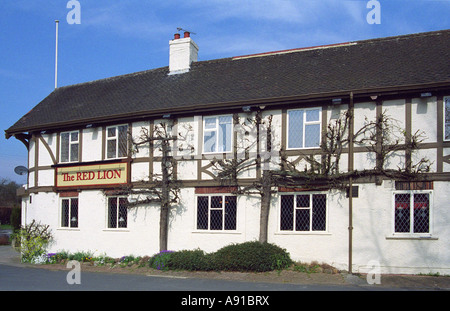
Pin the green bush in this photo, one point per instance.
(252, 256)
(81, 256)
(161, 260)
(33, 240)
(192, 260)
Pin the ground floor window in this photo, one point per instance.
(412, 212)
(303, 212)
(117, 212)
(216, 212)
(69, 213)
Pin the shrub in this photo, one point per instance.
(81, 256)
(192, 260)
(161, 260)
(34, 239)
(129, 260)
(252, 256)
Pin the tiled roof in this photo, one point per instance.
(402, 61)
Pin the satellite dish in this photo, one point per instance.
(20, 170)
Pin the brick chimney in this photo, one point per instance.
(183, 51)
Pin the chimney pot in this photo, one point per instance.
(176, 36)
(187, 34)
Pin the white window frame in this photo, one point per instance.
(209, 230)
(71, 143)
(305, 123)
(411, 232)
(310, 231)
(216, 129)
(444, 101)
(116, 137)
(61, 226)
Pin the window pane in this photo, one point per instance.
(287, 212)
(202, 213)
(302, 219)
(447, 118)
(123, 213)
(303, 200)
(402, 212)
(421, 213)
(65, 213)
(210, 123)
(216, 219)
(74, 152)
(123, 141)
(295, 129)
(74, 213)
(209, 141)
(65, 147)
(111, 149)
(312, 135)
(312, 115)
(74, 136)
(319, 210)
(112, 212)
(111, 132)
(225, 135)
(230, 213)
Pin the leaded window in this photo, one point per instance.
(216, 212)
(116, 141)
(117, 212)
(69, 213)
(303, 212)
(69, 146)
(412, 212)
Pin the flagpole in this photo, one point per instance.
(56, 56)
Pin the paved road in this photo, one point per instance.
(15, 278)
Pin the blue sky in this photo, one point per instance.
(124, 36)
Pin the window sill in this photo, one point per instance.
(116, 230)
(302, 233)
(411, 237)
(68, 229)
(216, 232)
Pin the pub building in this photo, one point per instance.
(83, 156)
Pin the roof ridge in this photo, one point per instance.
(342, 44)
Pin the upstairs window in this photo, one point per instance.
(447, 118)
(69, 146)
(304, 128)
(217, 134)
(116, 141)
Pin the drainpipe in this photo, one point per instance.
(350, 184)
